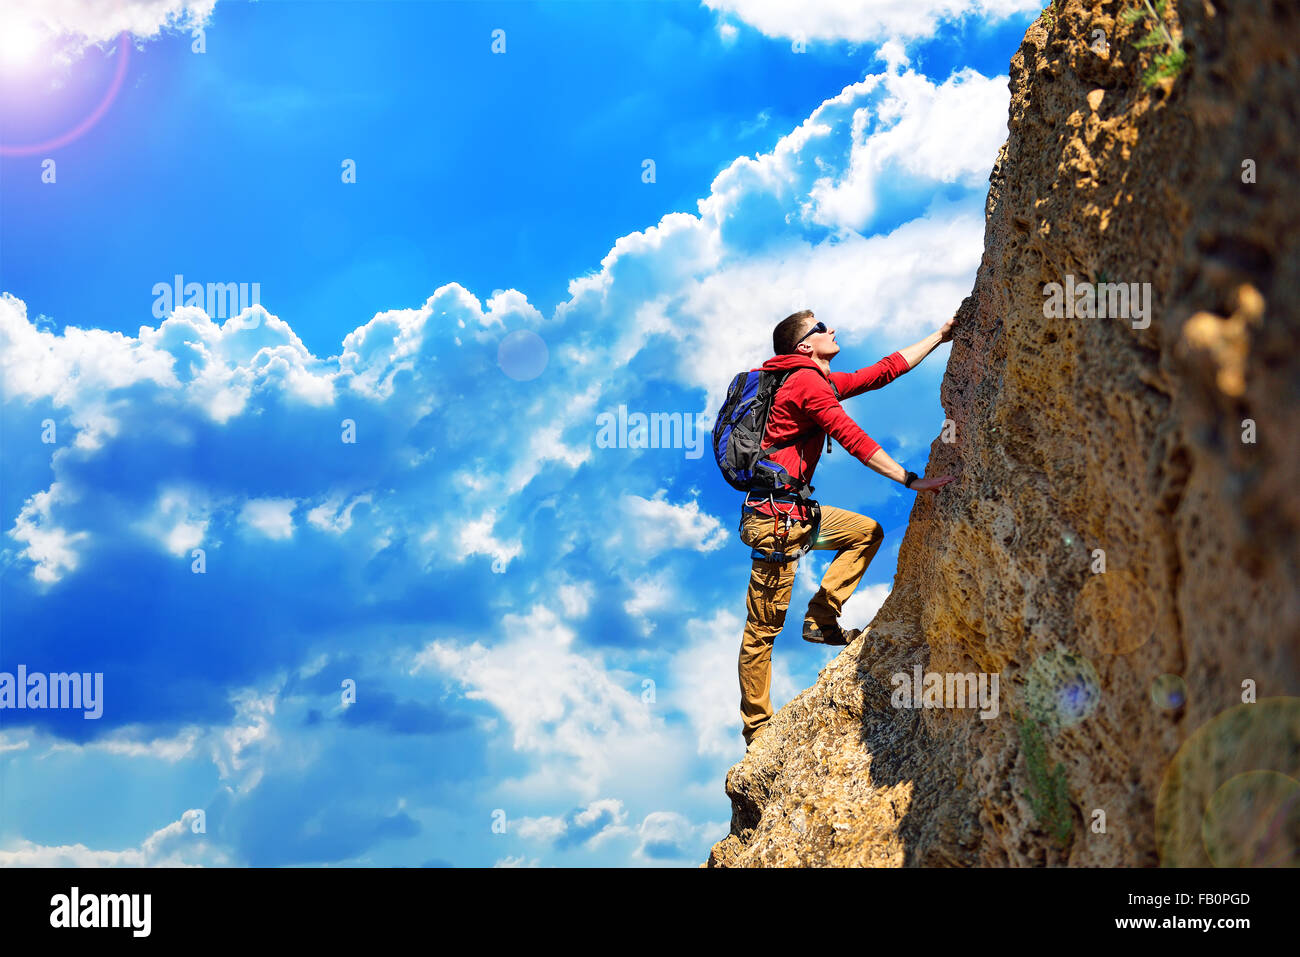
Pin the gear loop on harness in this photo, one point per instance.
(781, 531)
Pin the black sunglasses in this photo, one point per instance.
(820, 327)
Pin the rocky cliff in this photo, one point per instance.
(1120, 547)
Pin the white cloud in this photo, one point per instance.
(562, 705)
(273, 517)
(77, 369)
(477, 537)
(592, 826)
(124, 743)
(596, 809)
(539, 828)
(78, 23)
(179, 520)
(863, 605)
(6, 744)
(175, 845)
(785, 231)
(912, 143)
(575, 599)
(892, 286)
(333, 516)
(667, 835)
(776, 233)
(706, 689)
(654, 525)
(49, 547)
(861, 20)
(649, 594)
(241, 750)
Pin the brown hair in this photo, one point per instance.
(788, 330)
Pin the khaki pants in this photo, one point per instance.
(854, 537)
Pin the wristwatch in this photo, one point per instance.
(909, 478)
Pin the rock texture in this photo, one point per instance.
(1121, 691)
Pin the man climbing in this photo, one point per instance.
(780, 527)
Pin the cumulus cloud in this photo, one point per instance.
(704, 686)
(563, 705)
(539, 828)
(475, 537)
(649, 594)
(179, 519)
(75, 24)
(175, 845)
(652, 525)
(12, 745)
(334, 515)
(861, 20)
(408, 498)
(127, 742)
(669, 836)
(587, 827)
(911, 147)
(575, 598)
(272, 517)
(779, 232)
(863, 605)
(50, 549)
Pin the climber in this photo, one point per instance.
(779, 527)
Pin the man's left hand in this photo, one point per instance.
(931, 484)
(945, 331)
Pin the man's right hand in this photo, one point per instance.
(932, 484)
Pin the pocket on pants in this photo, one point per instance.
(769, 596)
(752, 529)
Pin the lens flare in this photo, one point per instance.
(1229, 795)
(1253, 820)
(63, 139)
(1169, 692)
(20, 44)
(1062, 689)
(522, 355)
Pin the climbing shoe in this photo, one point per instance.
(828, 634)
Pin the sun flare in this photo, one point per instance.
(21, 43)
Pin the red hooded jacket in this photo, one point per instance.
(806, 405)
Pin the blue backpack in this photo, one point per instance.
(738, 435)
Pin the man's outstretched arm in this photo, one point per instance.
(882, 462)
(891, 366)
(919, 350)
(817, 401)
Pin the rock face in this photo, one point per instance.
(1120, 546)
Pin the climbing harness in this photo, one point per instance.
(782, 523)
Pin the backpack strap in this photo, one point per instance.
(802, 435)
(799, 438)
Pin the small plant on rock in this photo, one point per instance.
(1048, 794)
(1171, 57)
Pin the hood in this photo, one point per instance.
(794, 361)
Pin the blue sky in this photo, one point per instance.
(504, 593)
